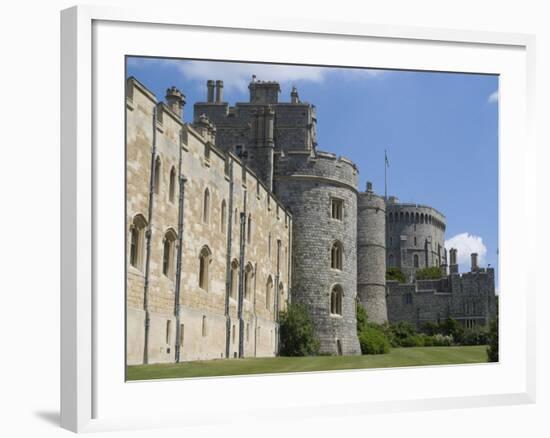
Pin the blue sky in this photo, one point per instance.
(440, 131)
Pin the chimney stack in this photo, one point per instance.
(175, 100)
(219, 91)
(210, 88)
(475, 267)
(453, 266)
(369, 187)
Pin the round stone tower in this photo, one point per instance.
(371, 255)
(321, 192)
(415, 237)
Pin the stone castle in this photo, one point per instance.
(237, 213)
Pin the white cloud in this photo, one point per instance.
(465, 245)
(493, 97)
(237, 75)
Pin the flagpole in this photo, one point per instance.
(385, 175)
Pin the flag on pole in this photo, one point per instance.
(386, 158)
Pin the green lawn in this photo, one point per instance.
(398, 357)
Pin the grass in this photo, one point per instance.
(397, 357)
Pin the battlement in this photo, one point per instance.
(308, 164)
(411, 213)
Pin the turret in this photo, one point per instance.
(175, 100)
(264, 92)
(371, 254)
(294, 96)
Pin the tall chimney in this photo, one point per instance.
(219, 91)
(369, 187)
(474, 261)
(453, 266)
(175, 100)
(210, 88)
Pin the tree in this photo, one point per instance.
(492, 349)
(431, 273)
(297, 333)
(395, 274)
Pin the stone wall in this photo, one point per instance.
(469, 298)
(415, 237)
(371, 255)
(307, 184)
(208, 322)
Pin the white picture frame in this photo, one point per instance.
(91, 391)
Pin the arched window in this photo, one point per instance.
(336, 256)
(169, 246)
(391, 261)
(422, 218)
(137, 241)
(156, 179)
(336, 300)
(249, 229)
(415, 241)
(248, 276)
(205, 257)
(234, 278)
(172, 191)
(391, 217)
(223, 217)
(415, 260)
(407, 217)
(269, 293)
(417, 218)
(206, 206)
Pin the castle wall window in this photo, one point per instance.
(168, 332)
(249, 229)
(336, 300)
(205, 258)
(233, 331)
(248, 276)
(182, 334)
(137, 238)
(236, 217)
(268, 293)
(415, 260)
(281, 294)
(156, 178)
(337, 209)
(172, 190)
(234, 278)
(336, 256)
(168, 253)
(407, 298)
(203, 329)
(269, 246)
(206, 207)
(223, 217)
(415, 243)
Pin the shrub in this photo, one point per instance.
(492, 349)
(373, 341)
(431, 273)
(361, 315)
(475, 336)
(395, 274)
(430, 328)
(440, 340)
(401, 333)
(297, 334)
(451, 327)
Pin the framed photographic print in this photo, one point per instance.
(256, 209)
